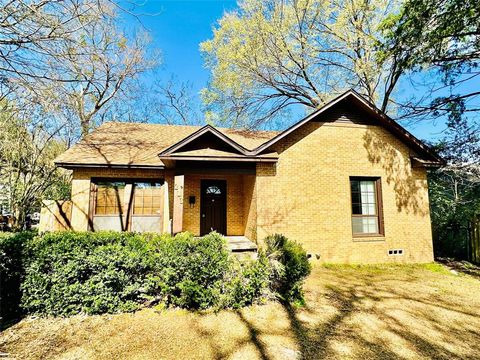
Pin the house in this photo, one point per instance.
(347, 182)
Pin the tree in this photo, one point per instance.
(69, 57)
(455, 191)
(176, 104)
(37, 36)
(27, 171)
(454, 200)
(64, 65)
(104, 75)
(270, 55)
(443, 36)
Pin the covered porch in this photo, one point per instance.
(216, 197)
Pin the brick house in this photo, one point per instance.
(347, 182)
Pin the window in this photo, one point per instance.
(109, 199)
(147, 198)
(213, 190)
(366, 206)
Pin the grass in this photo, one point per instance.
(351, 312)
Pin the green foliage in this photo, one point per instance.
(11, 273)
(424, 30)
(441, 36)
(267, 55)
(108, 272)
(192, 269)
(290, 266)
(454, 200)
(27, 171)
(66, 273)
(88, 272)
(247, 282)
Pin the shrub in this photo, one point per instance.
(11, 273)
(66, 273)
(290, 266)
(107, 272)
(88, 272)
(193, 269)
(248, 282)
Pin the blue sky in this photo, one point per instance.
(177, 28)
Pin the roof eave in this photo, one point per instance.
(221, 158)
(71, 166)
(419, 162)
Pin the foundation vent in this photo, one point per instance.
(393, 252)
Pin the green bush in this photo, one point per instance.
(88, 272)
(192, 269)
(65, 273)
(290, 266)
(11, 273)
(247, 282)
(107, 272)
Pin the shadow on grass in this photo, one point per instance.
(361, 315)
(314, 341)
(349, 297)
(354, 313)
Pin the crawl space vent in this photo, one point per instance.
(395, 252)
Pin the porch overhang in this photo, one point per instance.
(239, 158)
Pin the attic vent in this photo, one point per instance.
(395, 252)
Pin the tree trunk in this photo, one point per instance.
(85, 126)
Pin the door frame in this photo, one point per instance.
(222, 184)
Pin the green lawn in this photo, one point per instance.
(367, 312)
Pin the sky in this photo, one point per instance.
(177, 27)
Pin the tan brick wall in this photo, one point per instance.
(81, 189)
(306, 195)
(237, 194)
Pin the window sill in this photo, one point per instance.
(107, 215)
(364, 238)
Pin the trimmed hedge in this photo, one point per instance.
(92, 273)
(65, 273)
(11, 273)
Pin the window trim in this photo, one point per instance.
(379, 207)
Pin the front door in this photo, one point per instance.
(213, 207)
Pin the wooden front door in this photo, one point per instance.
(213, 206)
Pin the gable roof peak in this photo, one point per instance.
(200, 132)
(383, 120)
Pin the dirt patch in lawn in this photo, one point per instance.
(364, 312)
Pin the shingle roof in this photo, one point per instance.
(144, 145)
(138, 144)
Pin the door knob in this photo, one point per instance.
(203, 215)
